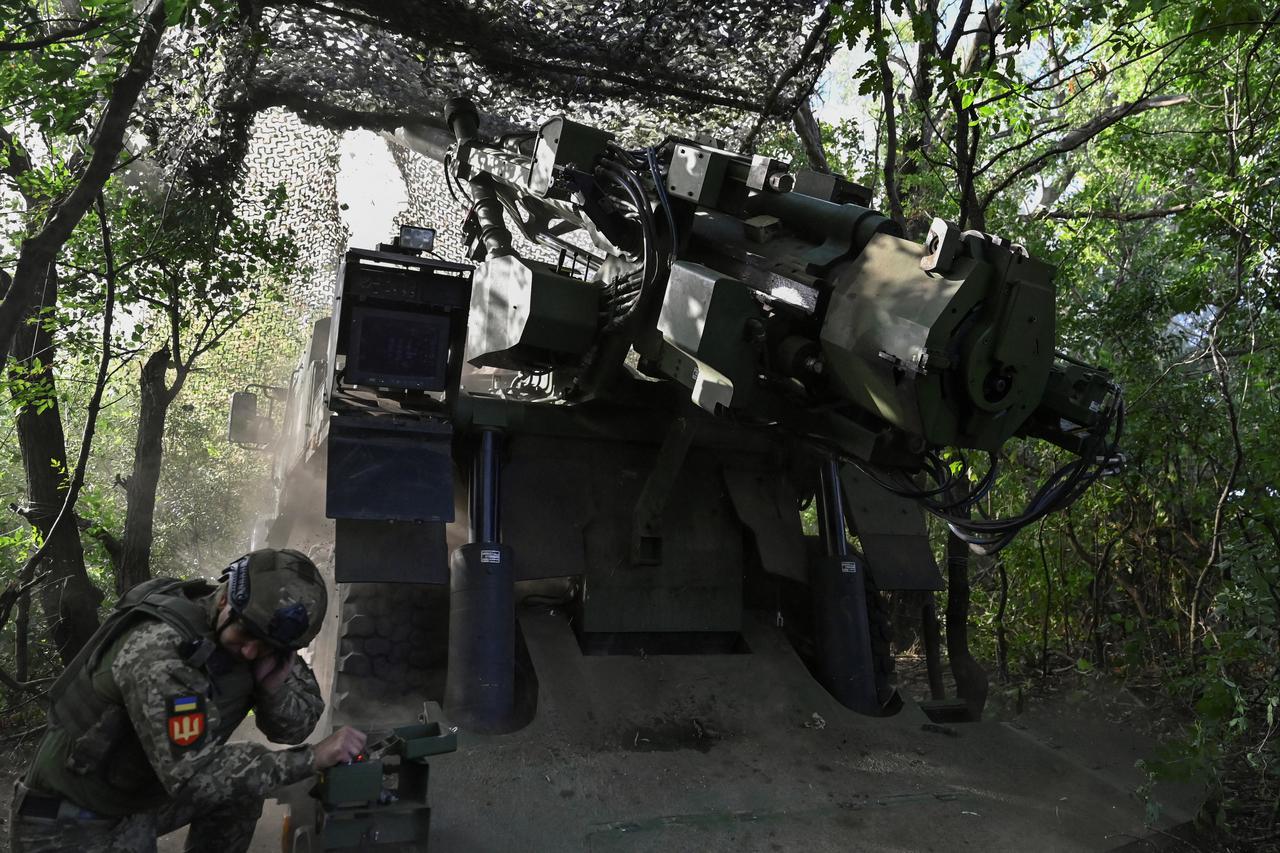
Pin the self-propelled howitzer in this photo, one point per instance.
(567, 494)
(779, 300)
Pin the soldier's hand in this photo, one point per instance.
(343, 745)
(270, 671)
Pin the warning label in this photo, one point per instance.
(490, 556)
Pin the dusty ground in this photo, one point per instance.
(1085, 721)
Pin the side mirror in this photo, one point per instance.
(246, 427)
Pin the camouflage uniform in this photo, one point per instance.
(216, 787)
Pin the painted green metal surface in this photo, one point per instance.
(958, 358)
(523, 312)
(382, 798)
(712, 319)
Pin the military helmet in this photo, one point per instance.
(278, 595)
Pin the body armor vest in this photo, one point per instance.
(92, 755)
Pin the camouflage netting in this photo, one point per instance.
(283, 150)
(292, 80)
(378, 64)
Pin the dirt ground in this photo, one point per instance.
(1085, 720)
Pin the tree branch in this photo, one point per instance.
(53, 38)
(810, 134)
(17, 163)
(1078, 136)
(108, 540)
(1115, 215)
(175, 323)
(984, 37)
(816, 35)
(1039, 134)
(957, 30)
(38, 252)
(31, 732)
(890, 122)
(205, 345)
(22, 687)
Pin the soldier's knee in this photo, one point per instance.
(238, 813)
(228, 829)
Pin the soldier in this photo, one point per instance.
(136, 745)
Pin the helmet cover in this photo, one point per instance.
(278, 595)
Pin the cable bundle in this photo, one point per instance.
(950, 498)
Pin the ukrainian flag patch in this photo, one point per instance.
(187, 721)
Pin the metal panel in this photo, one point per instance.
(698, 585)
(832, 188)
(525, 312)
(546, 502)
(390, 552)
(892, 531)
(767, 503)
(708, 316)
(696, 174)
(561, 143)
(389, 469)
(568, 508)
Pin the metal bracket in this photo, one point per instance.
(942, 244)
(646, 529)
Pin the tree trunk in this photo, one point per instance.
(22, 630)
(810, 133)
(69, 599)
(931, 634)
(1002, 637)
(915, 139)
(148, 454)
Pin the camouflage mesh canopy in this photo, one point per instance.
(299, 74)
(377, 63)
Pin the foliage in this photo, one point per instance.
(1135, 147)
(186, 256)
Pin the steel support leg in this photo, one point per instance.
(845, 660)
(485, 485)
(480, 688)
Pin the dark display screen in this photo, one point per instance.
(398, 349)
(421, 239)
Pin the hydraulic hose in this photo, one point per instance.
(464, 120)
